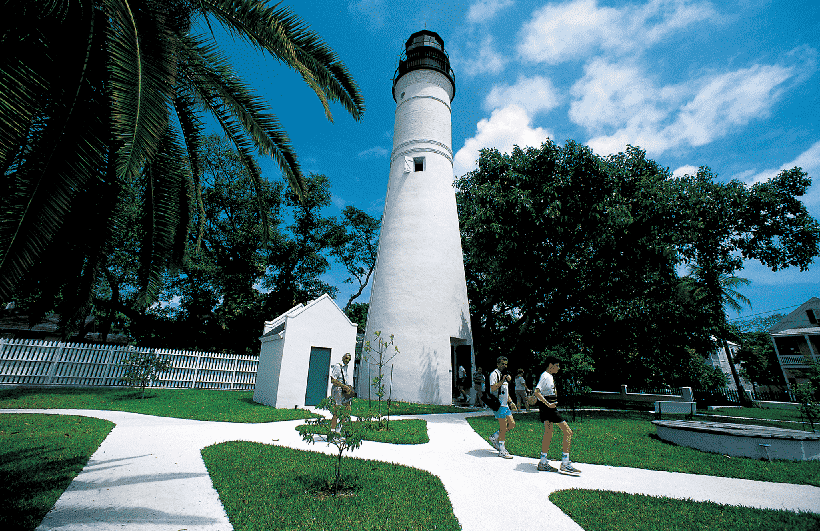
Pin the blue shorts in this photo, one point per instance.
(503, 412)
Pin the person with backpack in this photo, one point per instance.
(499, 387)
(547, 397)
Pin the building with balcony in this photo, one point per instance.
(796, 340)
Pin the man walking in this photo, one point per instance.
(547, 397)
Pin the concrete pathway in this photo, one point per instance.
(148, 475)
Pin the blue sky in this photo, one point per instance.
(733, 85)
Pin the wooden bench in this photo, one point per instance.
(741, 440)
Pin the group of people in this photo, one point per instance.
(547, 399)
(544, 392)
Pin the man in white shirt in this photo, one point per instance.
(547, 398)
(499, 387)
(342, 392)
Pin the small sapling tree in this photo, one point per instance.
(378, 354)
(348, 437)
(141, 368)
(806, 396)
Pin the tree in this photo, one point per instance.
(357, 248)
(559, 243)
(349, 437)
(756, 354)
(118, 101)
(720, 225)
(378, 353)
(142, 368)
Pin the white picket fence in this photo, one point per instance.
(50, 363)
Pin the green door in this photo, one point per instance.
(318, 374)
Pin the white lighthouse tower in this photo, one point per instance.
(419, 294)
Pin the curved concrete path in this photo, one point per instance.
(148, 475)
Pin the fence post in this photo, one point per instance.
(196, 369)
(56, 357)
(233, 369)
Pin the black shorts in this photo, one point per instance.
(549, 413)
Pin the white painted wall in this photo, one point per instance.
(284, 357)
(419, 293)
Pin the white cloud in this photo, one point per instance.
(485, 60)
(620, 96)
(506, 127)
(484, 10)
(375, 151)
(575, 29)
(535, 94)
(685, 170)
(374, 12)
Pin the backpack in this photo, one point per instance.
(490, 399)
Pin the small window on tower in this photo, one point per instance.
(418, 163)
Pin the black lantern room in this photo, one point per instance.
(424, 49)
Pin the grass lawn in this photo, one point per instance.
(268, 487)
(361, 407)
(629, 439)
(195, 404)
(616, 511)
(408, 431)
(39, 456)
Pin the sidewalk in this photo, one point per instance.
(148, 475)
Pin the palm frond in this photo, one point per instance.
(219, 90)
(279, 32)
(191, 125)
(166, 214)
(64, 149)
(142, 70)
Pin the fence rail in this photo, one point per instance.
(29, 362)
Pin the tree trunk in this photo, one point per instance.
(741, 392)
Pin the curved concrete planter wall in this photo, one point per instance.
(741, 440)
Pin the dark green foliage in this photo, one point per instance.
(118, 102)
(570, 252)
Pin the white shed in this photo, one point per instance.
(298, 348)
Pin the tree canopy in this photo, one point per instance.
(568, 251)
(100, 96)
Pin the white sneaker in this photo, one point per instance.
(504, 453)
(569, 469)
(494, 441)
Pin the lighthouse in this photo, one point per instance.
(419, 295)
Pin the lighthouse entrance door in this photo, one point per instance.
(461, 356)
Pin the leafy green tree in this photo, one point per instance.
(142, 368)
(357, 313)
(102, 95)
(348, 438)
(559, 243)
(357, 248)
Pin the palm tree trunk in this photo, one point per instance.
(741, 392)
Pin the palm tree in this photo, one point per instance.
(100, 96)
(714, 289)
